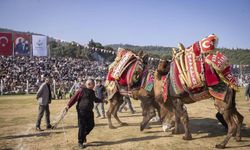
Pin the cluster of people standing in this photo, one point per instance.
(88, 93)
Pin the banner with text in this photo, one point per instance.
(39, 45)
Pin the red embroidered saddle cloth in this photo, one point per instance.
(132, 74)
(130, 77)
(123, 64)
(190, 63)
(220, 64)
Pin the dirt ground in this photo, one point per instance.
(18, 117)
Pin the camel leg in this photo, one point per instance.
(181, 112)
(163, 112)
(110, 111)
(117, 105)
(177, 124)
(239, 120)
(158, 108)
(148, 112)
(233, 118)
(231, 128)
(114, 113)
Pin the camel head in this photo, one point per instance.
(163, 67)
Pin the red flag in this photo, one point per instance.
(22, 44)
(5, 44)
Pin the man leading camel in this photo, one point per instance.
(84, 97)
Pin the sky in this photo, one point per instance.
(137, 22)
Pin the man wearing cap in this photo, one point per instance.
(84, 97)
(44, 99)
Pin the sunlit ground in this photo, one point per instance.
(18, 117)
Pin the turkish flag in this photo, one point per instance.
(22, 44)
(5, 44)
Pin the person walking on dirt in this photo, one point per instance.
(44, 99)
(100, 91)
(247, 92)
(84, 97)
(123, 106)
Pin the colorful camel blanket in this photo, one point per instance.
(190, 62)
(218, 91)
(165, 87)
(134, 73)
(194, 78)
(147, 80)
(201, 95)
(204, 46)
(176, 80)
(131, 76)
(221, 65)
(111, 88)
(121, 66)
(192, 69)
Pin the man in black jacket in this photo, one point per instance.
(84, 97)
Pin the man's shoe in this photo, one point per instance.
(81, 146)
(49, 127)
(38, 129)
(103, 117)
(98, 116)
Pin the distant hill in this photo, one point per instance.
(65, 49)
(236, 56)
(154, 51)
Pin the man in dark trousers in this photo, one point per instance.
(44, 99)
(84, 97)
(127, 101)
(247, 92)
(100, 92)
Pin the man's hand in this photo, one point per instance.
(66, 108)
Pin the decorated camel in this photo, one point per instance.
(196, 73)
(125, 74)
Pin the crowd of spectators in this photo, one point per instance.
(16, 73)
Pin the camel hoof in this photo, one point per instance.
(220, 146)
(187, 137)
(112, 127)
(238, 139)
(123, 124)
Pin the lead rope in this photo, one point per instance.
(65, 136)
(60, 118)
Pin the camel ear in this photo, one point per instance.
(145, 58)
(181, 46)
(140, 54)
(174, 52)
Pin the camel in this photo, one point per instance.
(173, 106)
(148, 103)
(115, 97)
